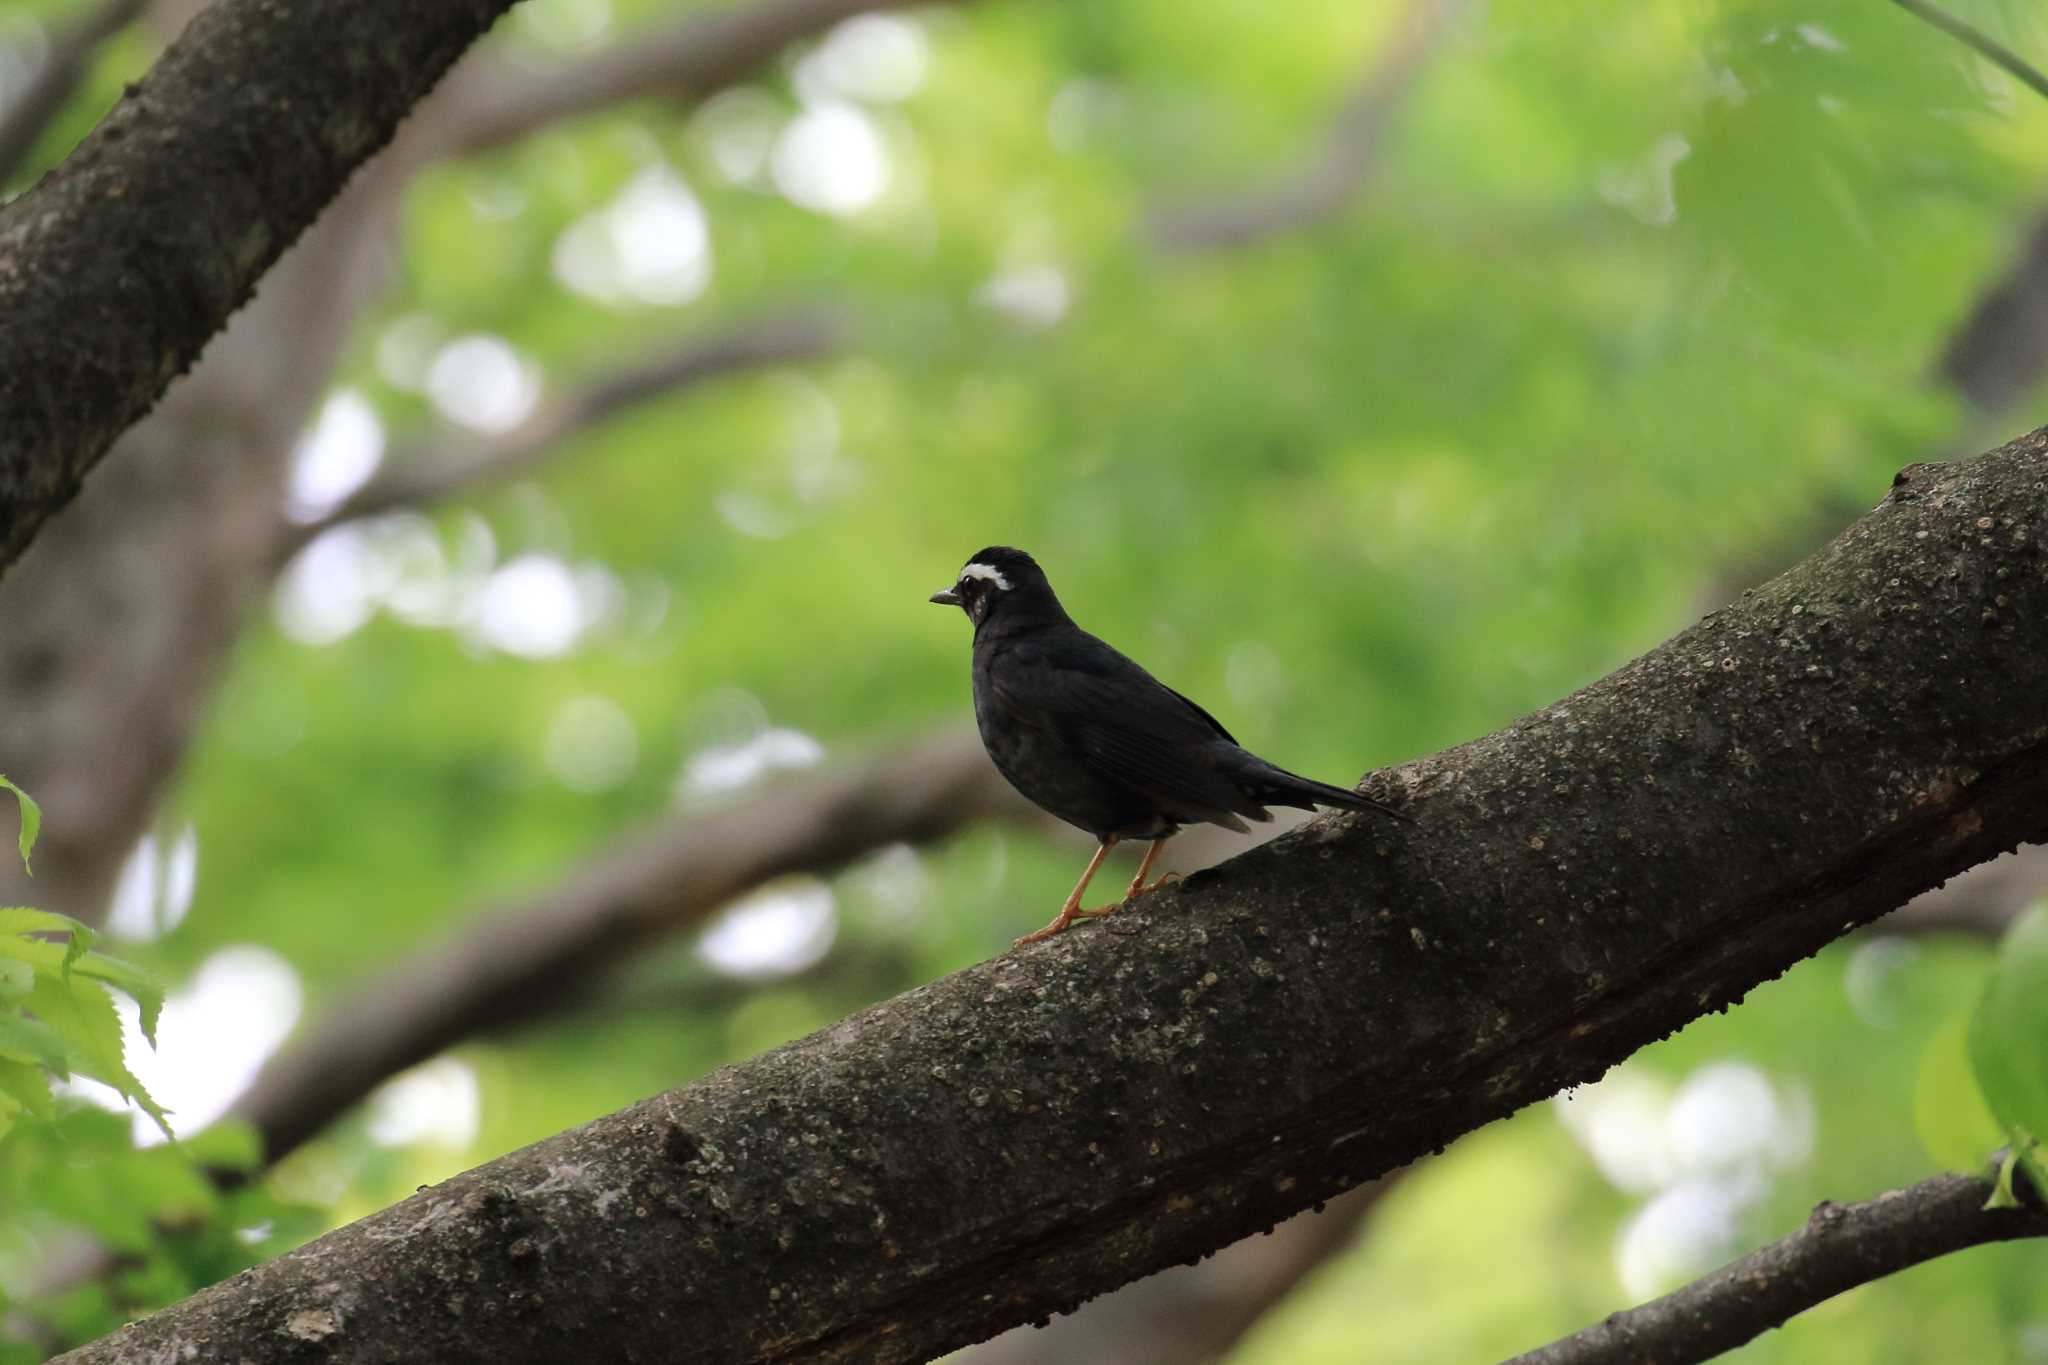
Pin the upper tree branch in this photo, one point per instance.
(1980, 42)
(423, 476)
(1043, 1127)
(497, 104)
(120, 265)
(1840, 1247)
(508, 961)
(1349, 154)
(23, 121)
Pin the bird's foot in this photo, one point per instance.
(1142, 887)
(1059, 925)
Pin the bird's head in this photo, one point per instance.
(1000, 583)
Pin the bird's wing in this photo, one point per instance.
(1129, 728)
(1189, 702)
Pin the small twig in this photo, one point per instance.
(23, 121)
(1841, 1246)
(1980, 42)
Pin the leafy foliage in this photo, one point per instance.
(2009, 1044)
(160, 1226)
(31, 819)
(56, 1015)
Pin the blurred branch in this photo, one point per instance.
(2000, 353)
(71, 50)
(665, 878)
(1013, 1139)
(1980, 42)
(1349, 155)
(1981, 903)
(1841, 1247)
(496, 103)
(865, 970)
(421, 476)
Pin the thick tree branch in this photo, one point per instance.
(159, 225)
(1840, 1247)
(508, 961)
(71, 49)
(686, 60)
(422, 476)
(1041, 1128)
(1349, 155)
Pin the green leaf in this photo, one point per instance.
(23, 1039)
(31, 821)
(16, 978)
(82, 1014)
(28, 1087)
(2009, 1040)
(2003, 1196)
(45, 956)
(20, 919)
(138, 982)
(1953, 1123)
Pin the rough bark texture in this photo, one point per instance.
(1041, 1128)
(1840, 1247)
(123, 262)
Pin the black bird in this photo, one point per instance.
(1090, 736)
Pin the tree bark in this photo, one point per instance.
(1840, 1247)
(1043, 1127)
(166, 549)
(159, 225)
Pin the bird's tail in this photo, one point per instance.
(1278, 787)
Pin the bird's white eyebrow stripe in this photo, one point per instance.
(993, 575)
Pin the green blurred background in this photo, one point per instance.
(1624, 305)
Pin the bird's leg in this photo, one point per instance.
(1072, 909)
(1137, 886)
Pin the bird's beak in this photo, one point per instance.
(946, 597)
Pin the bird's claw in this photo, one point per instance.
(1059, 926)
(1138, 889)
